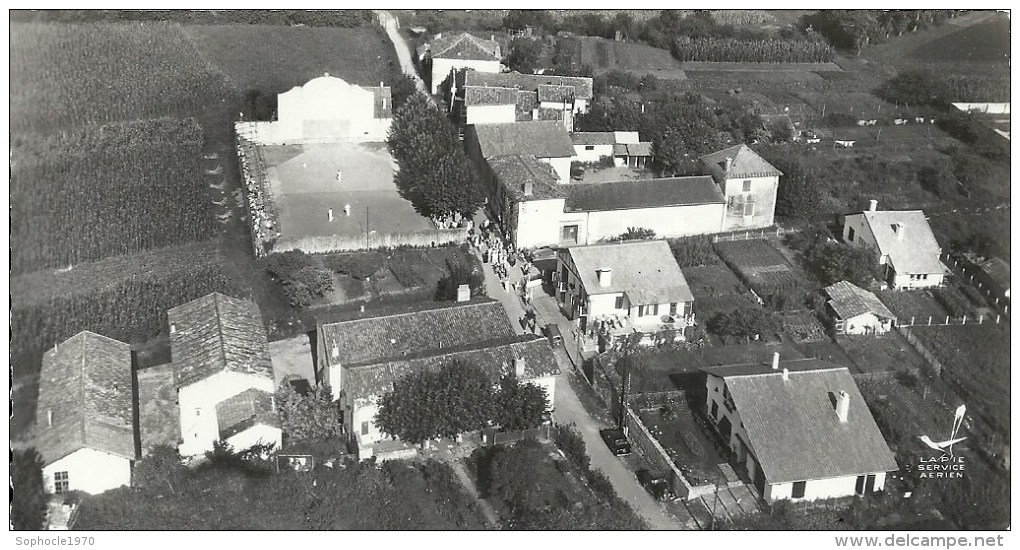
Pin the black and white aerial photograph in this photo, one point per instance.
(411, 271)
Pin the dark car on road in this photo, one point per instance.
(552, 332)
(655, 483)
(616, 441)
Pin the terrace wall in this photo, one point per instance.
(343, 243)
(649, 448)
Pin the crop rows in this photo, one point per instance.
(761, 267)
(75, 205)
(757, 51)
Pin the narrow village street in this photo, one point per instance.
(404, 54)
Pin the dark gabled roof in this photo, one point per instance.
(242, 411)
(555, 93)
(217, 333)
(487, 95)
(997, 270)
(792, 426)
(540, 139)
(373, 339)
(593, 138)
(849, 300)
(496, 358)
(464, 46)
(644, 270)
(582, 86)
(745, 163)
(514, 172)
(527, 102)
(642, 194)
(86, 384)
(641, 149)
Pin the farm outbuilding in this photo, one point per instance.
(858, 311)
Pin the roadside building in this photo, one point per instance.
(85, 423)
(544, 140)
(749, 184)
(800, 429)
(449, 52)
(478, 97)
(858, 311)
(624, 148)
(903, 244)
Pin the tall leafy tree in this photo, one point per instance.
(844, 262)
(524, 55)
(519, 405)
(160, 471)
(309, 418)
(28, 505)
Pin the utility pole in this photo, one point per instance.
(367, 232)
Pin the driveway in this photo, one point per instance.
(392, 27)
(569, 410)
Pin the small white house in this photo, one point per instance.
(858, 311)
(749, 183)
(800, 429)
(223, 374)
(458, 51)
(903, 243)
(625, 148)
(85, 424)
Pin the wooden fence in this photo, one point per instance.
(749, 234)
(927, 355)
(973, 275)
(932, 321)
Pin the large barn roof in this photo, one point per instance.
(540, 139)
(690, 190)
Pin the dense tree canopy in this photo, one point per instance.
(310, 418)
(302, 276)
(524, 55)
(519, 405)
(28, 505)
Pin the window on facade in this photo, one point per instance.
(640, 311)
(798, 489)
(715, 410)
(568, 233)
(672, 308)
(748, 209)
(655, 309)
(589, 147)
(747, 185)
(198, 412)
(850, 235)
(364, 428)
(619, 302)
(61, 482)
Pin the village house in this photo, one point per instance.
(624, 148)
(360, 358)
(903, 245)
(223, 375)
(85, 424)
(478, 97)
(749, 184)
(326, 109)
(624, 288)
(544, 140)
(858, 311)
(800, 429)
(446, 54)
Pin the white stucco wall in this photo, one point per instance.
(561, 166)
(863, 237)
(605, 304)
(491, 114)
(861, 323)
(538, 222)
(90, 470)
(197, 404)
(667, 221)
(259, 433)
(580, 106)
(815, 489)
(903, 282)
(763, 190)
(362, 414)
(441, 68)
(581, 154)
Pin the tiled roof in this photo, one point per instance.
(917, 251)
(793, 429)
(513, 172)
(746, 369)
(582, 85)
(541, 139)
(526, 104)
(482, 95)
(646, 271)
(86, 383)
(745, 163)
(249, 408)
(464, 46)
(374, 339)
(593, 138)
(643, 194)
(545, 113)
(997, 270)
(554, 93)
(849, 300)
(364, 383)
(217, 333)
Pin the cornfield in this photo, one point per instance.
(755, 51)
(107, 190)
(124, 297)
(65, 75)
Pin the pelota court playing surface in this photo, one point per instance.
(304, 187)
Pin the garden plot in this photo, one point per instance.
(760, 265)
(919, 304)
(677, 429)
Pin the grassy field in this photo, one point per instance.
(603, 54)
(741, 67)
(984, 42)
(760, 264)
(912, 303)
(277, 58)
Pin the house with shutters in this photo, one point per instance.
(799, 428)
(223, 374)
(624, 287)
(362, 356)
(748, 183)
(478, 97)
(449, 52)
(857, 311)
(903, 244)
(85, 423)
(625, 148)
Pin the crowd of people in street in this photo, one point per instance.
(262, 216)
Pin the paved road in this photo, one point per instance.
(569, 409)
(392, 27)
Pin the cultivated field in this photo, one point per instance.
(760, 264)
(602, 55)
(986, 41)
(277, 58)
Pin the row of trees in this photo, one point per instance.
(309, 18)
(852, 30)
(752, 51)
(457, 398)
(435, 174)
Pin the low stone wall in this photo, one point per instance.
(649, 447)
(343, 243)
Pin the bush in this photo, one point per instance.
(694, 251)
(459, 274)
(569, 440)
(404, 266)
(359, 265)
(302, 278)
(747, 321)
(601, 485)
(955, 304)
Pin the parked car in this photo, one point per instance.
(616, 441)
(552, 332)
(655, 483)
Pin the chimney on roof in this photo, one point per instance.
(843, 406)
(729, 163)
(336, 352)
(272, 402)
(605, 277)
(872, 205)
(899, 229)
(529, 188)
(381, 84)
(463, 293)
(49, 417)
(786, 374)
(173, 328)
(519, 367)
(492, 37)
(775, 360)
